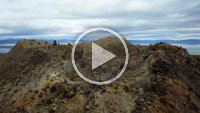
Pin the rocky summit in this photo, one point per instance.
(38, 77)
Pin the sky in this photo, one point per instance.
(67, 19)
(134, 19)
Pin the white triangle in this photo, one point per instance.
(100, 56)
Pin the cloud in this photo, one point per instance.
(140, 19)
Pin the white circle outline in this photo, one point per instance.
(99, 29)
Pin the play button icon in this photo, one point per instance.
(93, 59)
(100, 56)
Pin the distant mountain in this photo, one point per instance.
(190, 41)
(9, 41)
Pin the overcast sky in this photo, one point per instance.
(134, 19)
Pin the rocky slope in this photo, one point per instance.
(37, 77)
(2, 54)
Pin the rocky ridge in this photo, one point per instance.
(38, 77)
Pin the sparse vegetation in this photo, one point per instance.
(160, 78)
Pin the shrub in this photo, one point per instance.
(36, 91)
(69, 44)
(64, 57)
(54, 43)
(40, 95)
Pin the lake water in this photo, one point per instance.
(192, 49)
